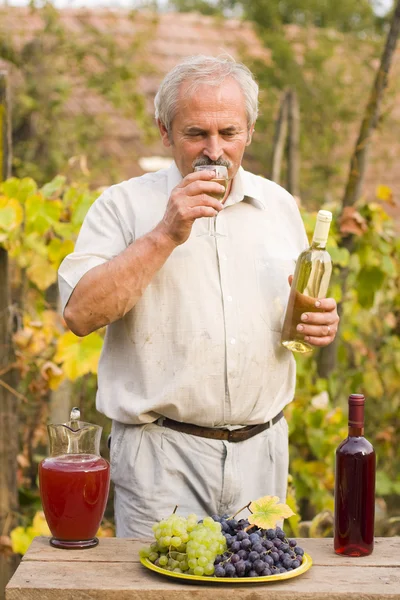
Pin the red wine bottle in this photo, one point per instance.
(355, 487)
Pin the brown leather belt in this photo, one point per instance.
(237, 435)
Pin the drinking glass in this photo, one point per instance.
(221, 177)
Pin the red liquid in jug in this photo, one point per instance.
(74, 491)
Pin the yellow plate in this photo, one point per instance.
(305, 565)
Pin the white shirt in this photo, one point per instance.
(202, 345)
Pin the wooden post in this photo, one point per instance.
(359, 158)
(293, 185)
(5, 128)
(280, 136)
(8, 401)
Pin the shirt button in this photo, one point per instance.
(233, 341)
(229, 298)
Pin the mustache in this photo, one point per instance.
(204, 160)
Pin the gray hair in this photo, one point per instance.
(208, 70)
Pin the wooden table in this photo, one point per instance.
(112, 571)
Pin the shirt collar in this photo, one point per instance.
(243, 186)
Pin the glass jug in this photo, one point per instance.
(74, 482)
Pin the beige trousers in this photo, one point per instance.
(155, 468)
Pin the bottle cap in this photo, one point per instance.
(325, 216)
(357, 399)
(356, 410)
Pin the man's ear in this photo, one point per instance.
(250, 135)
(164, 133)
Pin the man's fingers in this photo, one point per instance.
(197, 188)
(197, 176)
(325, 304)
(196, 212)
(318, 341)
(317, 330)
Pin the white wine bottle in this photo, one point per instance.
(310, 281)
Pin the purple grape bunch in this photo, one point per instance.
(255, 552)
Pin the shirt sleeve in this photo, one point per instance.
(101, 238)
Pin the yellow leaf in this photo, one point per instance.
(52, 374)
(106, 530)
(266, 512)
(78, 356)
(58, 250)
(21, 540)
(384, 193)
(41, 272)
(39, 524)
(11, 213)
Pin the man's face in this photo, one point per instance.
(210, 127)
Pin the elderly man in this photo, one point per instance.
(192, 373)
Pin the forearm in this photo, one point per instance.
(107, 292)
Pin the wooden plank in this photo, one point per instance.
(386, 552)
(66, 581)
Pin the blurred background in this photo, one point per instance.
(77, 88)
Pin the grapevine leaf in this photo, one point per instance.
(54, 188)
(340, 256)
(20, 189)
(82, 204)
(11, 213)
(384, 193)
(41, 273)
(20, 539)
(53, 374)
(58, 250)
(352, 222)
(39, 524)
(369, 281)
(41, 213)
(266, 512)
(78, 356)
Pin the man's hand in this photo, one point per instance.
(319, 320)
(190, 200)
(320, 325)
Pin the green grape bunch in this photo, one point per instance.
(186, 545)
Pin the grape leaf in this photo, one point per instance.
(266, 512)
(54, 188)
(384, 193)
(41, 273)
(20, 189)
(39, 524)
(78, 356)
(21, 540)
(11, 213)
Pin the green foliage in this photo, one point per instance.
(308, 61)
(368, 361)
(201, 6)
(38, 227)
(47, 129)
(342, 15)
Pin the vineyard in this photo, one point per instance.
(37, 229)
(45, 369)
